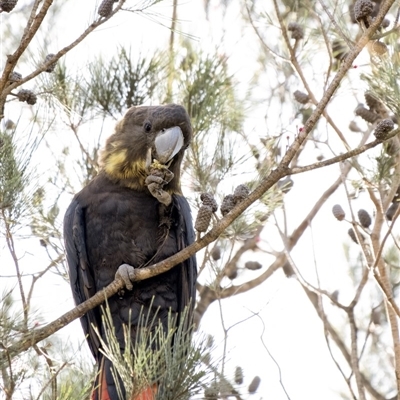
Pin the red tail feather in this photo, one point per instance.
(100, 392)
(147, 394)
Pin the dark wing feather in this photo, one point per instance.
(80, 275)
(186, 236)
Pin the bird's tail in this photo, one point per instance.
(106, 391)
(100, 389)
(147, 394)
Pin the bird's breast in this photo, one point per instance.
(122, 226)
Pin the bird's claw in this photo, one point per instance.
(127, 273)
(155, 185)
(161, 195)
(168, 176)
(153, 179)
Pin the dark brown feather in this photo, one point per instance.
(115, 220)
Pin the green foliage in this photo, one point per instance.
(385, 165)
(11, 321)
(15, 176)
(208, 91)
(392, 259)
(11, 174)
(110, 87)
(173, 364)
(74, 383)
(68, 90)
(384, 81)
(122, 82)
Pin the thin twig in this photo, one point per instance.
(89, 159)
(336, 25)
(272, 358)
(327, 96)
(281, 171)
(11, 248)
(338, 366)
(340, 344)
(13, 58)
(342, 157)
(36, 277)
(355, 367)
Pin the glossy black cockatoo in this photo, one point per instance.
(131, 215)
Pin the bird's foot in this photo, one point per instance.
(161, 195)
(155, 185)
(127, 273)
(159, 175)
(155, 179)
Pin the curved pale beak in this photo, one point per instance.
(168, 142)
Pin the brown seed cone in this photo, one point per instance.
(105, 8)
(208, 200)
(238, 375)
(385, 23)
(227, 204)
(255, 383)
(352, 234)
(285, 184)
(363, 9)
(9, 124)
(377, 48)
(211, 393)
(391, 146)
(27, 95)
(373, 102)
(376, 316)
(383, 128)
(52, 66)
(206, 358)
(338, 212)
(364, 218)
(203, 218)
(8, 5)
(392, 210)
(210, 341)
(354, 127)
(297, 30)
(216, 253)
(288, 269)
(240, 193)
(14, 77)
(351, 12)
(253, 265)
(376, 105)
(232, 272)
(302, 98)
(366, 114)
(377, 6)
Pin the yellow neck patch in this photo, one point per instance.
(117, 166)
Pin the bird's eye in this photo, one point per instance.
(147, 126)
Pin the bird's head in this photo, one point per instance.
(143, 135)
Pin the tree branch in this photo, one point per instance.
(28, 36)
